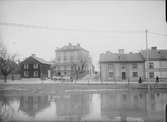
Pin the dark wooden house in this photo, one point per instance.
(35, 67)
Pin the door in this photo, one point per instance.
(123, 75)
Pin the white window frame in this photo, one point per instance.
(35, 66)
(25, 66)
(35, 74)
(26, 74)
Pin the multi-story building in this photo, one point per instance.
(71, 59)
(155, 63)
(121, 66)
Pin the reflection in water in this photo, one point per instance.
(73, 107)
(31, 105)
(114, 106)
(94, 108)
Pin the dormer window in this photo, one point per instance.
(35, 66)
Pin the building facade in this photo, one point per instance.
(71, 58)
(121, 66)
(34, 67)
(155, 63)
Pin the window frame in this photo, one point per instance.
(35, 74)
(26, 66)
(35, 66)
(151, 73)
(134, 66)
(151, 65)
(135, 74)
(26, 74)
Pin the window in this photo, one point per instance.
(135, 74)
(134, 66)
(151, 65)
(110, 67)
(65, 58)
(151, 74)
(71, 58)
(58, 59)
(25, 66)
(123, 66)
(111, 74)
(35, 66)
(35, 73)
(25, 73)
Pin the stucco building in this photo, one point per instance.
(121, 66)
(70, 59)
(155, 63)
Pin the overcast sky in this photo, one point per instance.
(97, 25)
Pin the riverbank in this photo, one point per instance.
(81, 84)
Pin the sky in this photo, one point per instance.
(39, 26)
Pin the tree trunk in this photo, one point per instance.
(5, 78)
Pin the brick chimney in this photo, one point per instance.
(154, 48)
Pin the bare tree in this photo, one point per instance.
(7, 63)
(79, 67)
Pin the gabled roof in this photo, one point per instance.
(155, 54)
(40, 60)
(116, 57)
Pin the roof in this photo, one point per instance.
(155, 54)
(116, 57)
(71, 47)
(40, 60)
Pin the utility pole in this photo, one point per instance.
(146, 32)
(147, 57)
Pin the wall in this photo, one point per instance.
(117, 70)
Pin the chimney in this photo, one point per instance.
(33, 55)
(154, 48)
(121, 51)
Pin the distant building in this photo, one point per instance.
(155, 63)
(121, 66)
(34, 67)
(71, 58)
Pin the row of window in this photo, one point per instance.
(134, 74)
(35, 74)
(26, 66)
(59, 59)
(123, 66)
(134, 66)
